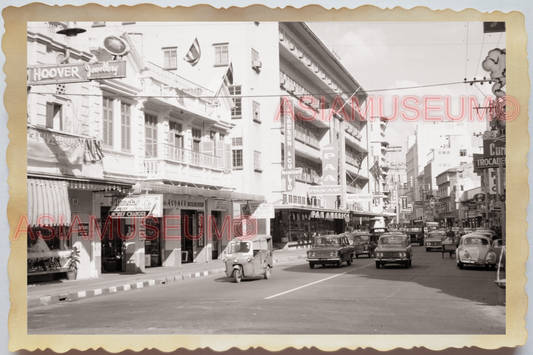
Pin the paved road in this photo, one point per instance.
(431, 297)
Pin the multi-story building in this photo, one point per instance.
(112, 137)
(451, 185)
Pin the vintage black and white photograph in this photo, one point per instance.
(263, 177)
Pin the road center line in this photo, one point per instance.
(312, 283)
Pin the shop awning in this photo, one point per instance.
(196, 191)
(48, 199)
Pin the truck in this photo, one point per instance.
(416, 232)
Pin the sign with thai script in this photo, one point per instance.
(76, 72)
(332, 190)
(176, 201)
(138, 206)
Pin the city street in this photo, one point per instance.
(431, 297)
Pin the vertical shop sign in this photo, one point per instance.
(330, 168)
(290, 159)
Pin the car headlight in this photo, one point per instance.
(333, 253)
(402, 255)
(466, 254)
(224, 260)
(491, 257)
(310, 254)
(249, 259)
(236, 260)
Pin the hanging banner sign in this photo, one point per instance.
(295, 172)
(75, 72)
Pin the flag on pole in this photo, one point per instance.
(228, 77)
(193, 56)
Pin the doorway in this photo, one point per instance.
(111, 243)
(188, 229)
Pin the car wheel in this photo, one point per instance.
(460, 265)
(268, 270)
(311, 265)
(349, 262)
(493, 267)
(410, 262)
(339, 263)
(427, 249)
(377, 265)
(237, 275)
(357, 255)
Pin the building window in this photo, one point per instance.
(256, 63)
(196, 138)
(170, 58)
(54, 116)
(150, 126)
(462, 152)
(257, 161)
(237, 158)
(125, 117)
(256, 114)
(175, 137)
(236, 111)
(221, 54)
(107, 119)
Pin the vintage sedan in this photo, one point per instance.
(362, 243)
(476, 250)
(393, 248)
(434, 240)
(330, 249)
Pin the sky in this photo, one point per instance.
(395, 55)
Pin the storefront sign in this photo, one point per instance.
(220, 205)
(330, 168)
(75, 72)
(329, 215)
(176, 201)
(359, 198)
(332, 190)
(262, 210)
(295, 172)
(138, 206)
(54, 147)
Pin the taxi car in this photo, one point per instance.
(393, 248)
(476, 250)
(362, 243)
(434, 240)
(330, 249)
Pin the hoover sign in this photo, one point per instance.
(76, 72)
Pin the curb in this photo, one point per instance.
(74, 296)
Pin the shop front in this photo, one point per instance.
(299, 224)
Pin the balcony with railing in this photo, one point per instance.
(182, 165)
(170, 88)
(306, 136)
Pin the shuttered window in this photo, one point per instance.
(125, 116)
(107, 119)
(150, 126)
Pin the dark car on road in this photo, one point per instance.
(393, 248)
(362, 243)
(330, 249)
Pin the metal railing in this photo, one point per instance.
(189, 157)
(173, 80)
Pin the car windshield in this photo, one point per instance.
(476, 241)
(361, 238)
(239, 247)
(392, 240)
(324, 242)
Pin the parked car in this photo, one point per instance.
(362, 243)
(434, 240)
(488, 232)
(393, 248)
(330, 249)
(475, 249)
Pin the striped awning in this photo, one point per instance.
(48, 202)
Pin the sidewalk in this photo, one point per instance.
(42, 294)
